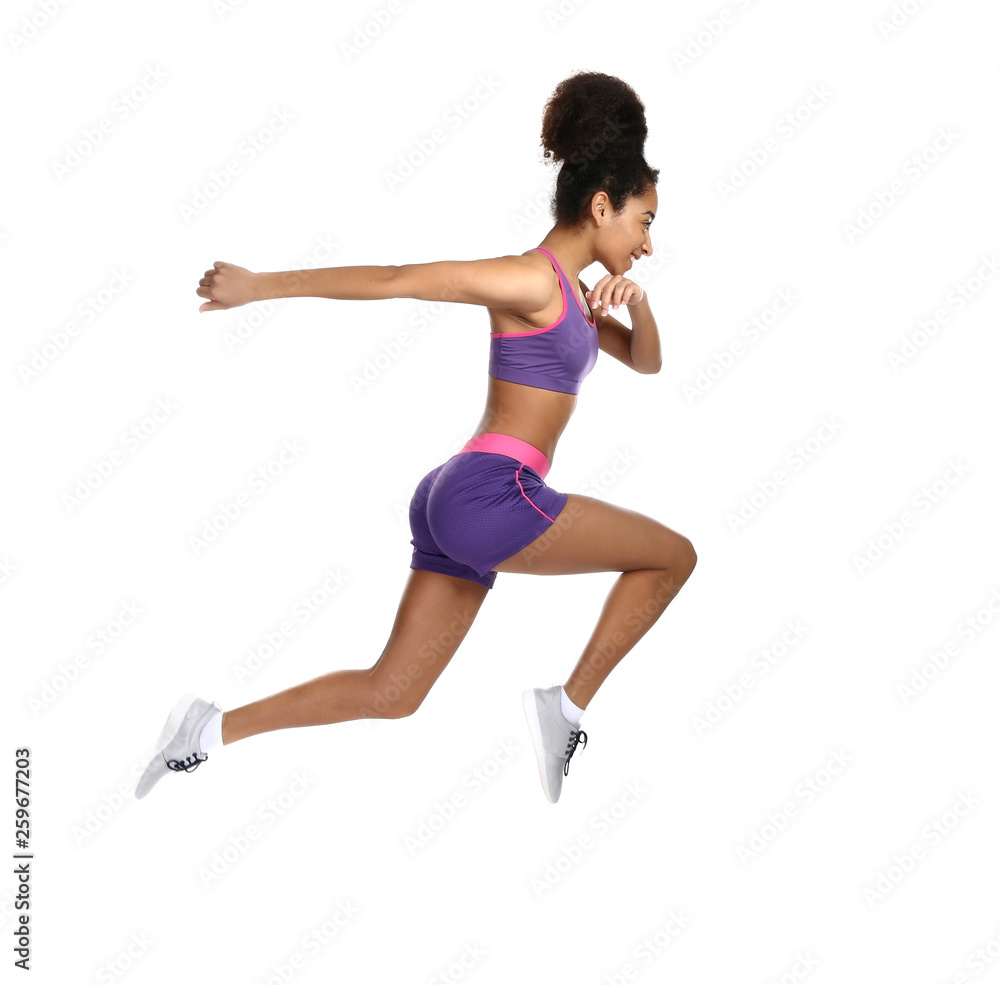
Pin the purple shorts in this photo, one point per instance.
(484, 504)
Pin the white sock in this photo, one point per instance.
(211, 733)
(571, 713)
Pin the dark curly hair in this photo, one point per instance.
(595, 125)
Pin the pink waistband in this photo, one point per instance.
(505, 444)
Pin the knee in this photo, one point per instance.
(392, 699)
(398, 710)
(381, 708)
(401, 708)
(683, 558)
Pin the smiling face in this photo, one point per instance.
(623, 238)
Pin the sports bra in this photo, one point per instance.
(556, 357)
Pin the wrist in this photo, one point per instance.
(270, 285)
(264, 287)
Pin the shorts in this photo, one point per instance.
(487, 502)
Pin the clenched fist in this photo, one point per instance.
(228, 286)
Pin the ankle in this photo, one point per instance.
(210, 736)
(571, 711)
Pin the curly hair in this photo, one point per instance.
(595, 125)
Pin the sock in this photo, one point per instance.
(571, 713)
(211, 733)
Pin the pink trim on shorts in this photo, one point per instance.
(517, 477)
(506, 444)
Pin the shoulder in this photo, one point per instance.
(537, 262)
(523, 282)
(512, 280)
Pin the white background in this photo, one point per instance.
(858, 884)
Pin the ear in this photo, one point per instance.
(600, 207)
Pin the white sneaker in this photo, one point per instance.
(554, 738)
(178, 748)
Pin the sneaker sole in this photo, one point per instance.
(531, 714)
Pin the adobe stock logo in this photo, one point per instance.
(59, 339)
(446, 809)
(760, 154)
(894, 530)
(600, 822)
(806, 792)
(237, 845)
(711, 30)
(957, 297)
(802, 454)
(762, 663)
(646, 951)
(883, 199)
(363, 36)
(978, 960)
(940, 659)
(933, 834)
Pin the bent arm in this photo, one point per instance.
(644, 340)
(637, 347)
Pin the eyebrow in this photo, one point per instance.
(649, 212)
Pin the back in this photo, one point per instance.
(557, 357)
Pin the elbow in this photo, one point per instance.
(418, 281)
(393, 282)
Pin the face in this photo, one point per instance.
(622, 239)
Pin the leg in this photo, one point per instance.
(590, 535)
(435, 612)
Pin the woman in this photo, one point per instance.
(488, 508)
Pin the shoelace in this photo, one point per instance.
(190, 764)
(576, 738)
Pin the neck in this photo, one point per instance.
(571, 249)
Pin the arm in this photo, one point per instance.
(637, 347)
(512, 282)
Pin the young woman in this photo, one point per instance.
(488, 509)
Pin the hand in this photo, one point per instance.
(228, 286)
(613, 290)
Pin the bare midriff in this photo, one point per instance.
(527, 412)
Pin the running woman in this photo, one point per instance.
(488, 508)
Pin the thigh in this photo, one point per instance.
(590, 535)
(434, 615)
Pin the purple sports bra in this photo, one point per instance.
(556, 357)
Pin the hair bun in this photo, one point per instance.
(589, 111)
(595, 125)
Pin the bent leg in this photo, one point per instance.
(434, 615)
(590, 535)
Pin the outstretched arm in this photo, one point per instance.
(508, 282)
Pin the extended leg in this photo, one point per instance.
(435, 613)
